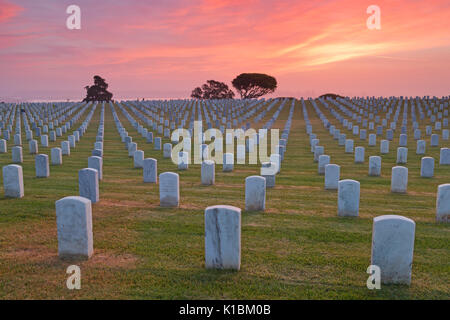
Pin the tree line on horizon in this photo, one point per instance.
(248, 85)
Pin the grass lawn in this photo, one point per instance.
(297, 249)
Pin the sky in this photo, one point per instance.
(164, 49)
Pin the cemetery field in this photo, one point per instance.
(298, 248)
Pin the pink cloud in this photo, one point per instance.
(146, 47)
(8, 10)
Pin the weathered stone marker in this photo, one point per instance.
(169, 189)
(384, 147)
(132, 148)
(393, 248)
(65, 148)
(17, 156)
(402, 155)
(56, 154)
(167, 150)
(183, 160)
(323, 161)
(268, 172)
(208, 172)
(444, 157)
(97, 164)
(13, 181)
(138, 159)
(42, 166)
(349, 146)
(443, 203)
(88, 184)
(228, 162)
(150, 170)
(74, 224)
(332, 176)
(33, 146)
(421, 145)
(223, 237)
(399, 179)
(374, 166)
(255, 193)
(427, 167)
(318, 151)
(3, 146)
(157, 144)
(44, 141)
(348, 198)
(359, 155)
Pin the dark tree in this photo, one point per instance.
(254, 85)
(213, 90)
(197, 93)
(98, 92)
(331, 95)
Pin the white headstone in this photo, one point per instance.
(445, 134)
(393, 247)
(348, 146)
(332, 176)
(402, 155)
(88, 184)
(443, 203)
(74, 224)
(323, 161)
(374, 166)
(97, 164)
(372, 140)
(223, 237)
(427, 167)
(17, 156)
(434, 142)
(208, 172)
(42, 166)
(421, 145)
(17, 139)
(318, 151)
(399, 179)
(275, 158)
(403, 140)
(157, 144)
(44, 141)
(3, 146)
(268, 172)
(169, 189)
(359, 155)
(228, 162)
(150, 170)
(255, 193)
(167, 150)
(444, 157)
(13, 181)
(33, 146)
(348, 198)
(138, 159)
(72, 141)
(384, 147)
(56, 155)
(132, 148)
(183, 160)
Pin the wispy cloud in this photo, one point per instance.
(148, 46)
(8, 10)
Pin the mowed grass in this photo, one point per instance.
(297, 249)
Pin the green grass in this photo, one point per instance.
(297, 249)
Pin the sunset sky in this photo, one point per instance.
(163, 49)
